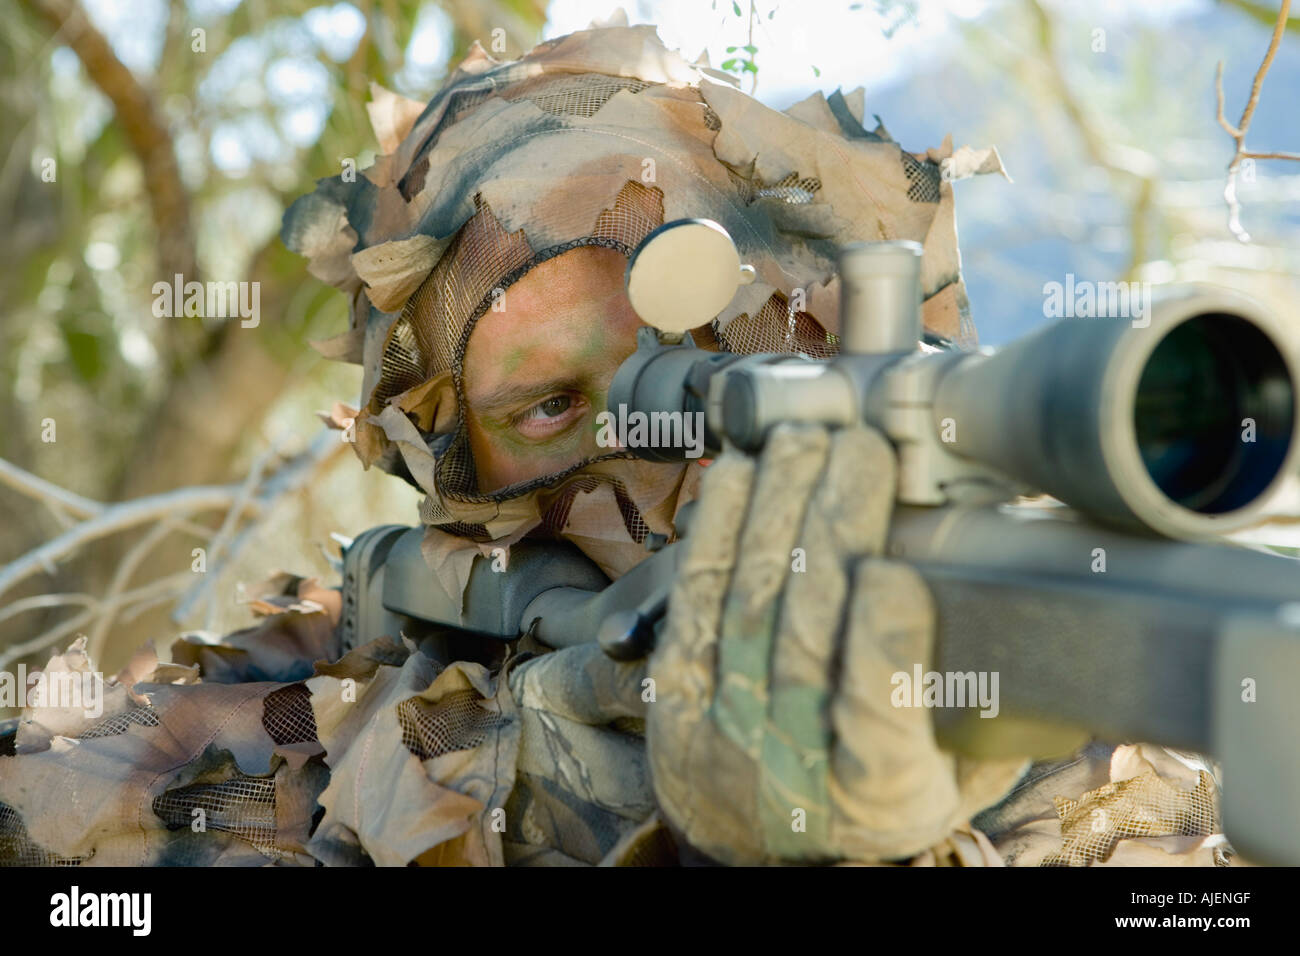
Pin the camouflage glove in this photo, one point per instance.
(773, 737)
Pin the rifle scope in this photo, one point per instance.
(1182, 420)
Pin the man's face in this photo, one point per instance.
(536, 374)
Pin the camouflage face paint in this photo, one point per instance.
(514, 360)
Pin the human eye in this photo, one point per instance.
(550, 416)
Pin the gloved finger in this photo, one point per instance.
(582, 683)
(688, 641)
(788, 470)
(847, 517)
(893, 791)
(683, 751)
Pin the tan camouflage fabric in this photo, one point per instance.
(189, 764)
(1107, 805)
(439, 765)
(270, 749)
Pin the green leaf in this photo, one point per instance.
(729, 64)
(736, 6)
(816, 72)
(731, 49)
(749, 48)
(749, 66)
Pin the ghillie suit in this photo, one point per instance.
(273, 746)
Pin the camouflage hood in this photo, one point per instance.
(596, 138)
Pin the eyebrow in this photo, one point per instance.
(511, 395)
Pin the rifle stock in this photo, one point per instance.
(1154, 649)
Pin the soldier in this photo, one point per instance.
(484, 255)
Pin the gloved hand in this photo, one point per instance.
(772, 737)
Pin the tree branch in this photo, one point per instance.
(1249, 155)
(146, 131)
(47, 491)
(254, 496)
(1258, 11)
(61, 630)
(41, 601)
(117, 518)
(121, 578)
(1238, 132)
(223, 550)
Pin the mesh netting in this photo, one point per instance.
(922, 179)
(581, 94)
(287, 715)
(18, 849)
(556, 517)
(778, 328)
(242, 805)
(565, 95)
(432, 333)
(792, 188)
(120, 723)
(461, 100)
(457, 722)
(1143, 806)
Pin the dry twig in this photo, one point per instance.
(251, 498)
(54, 635)
(121, 578)
(58, 499)
(1238, 132)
